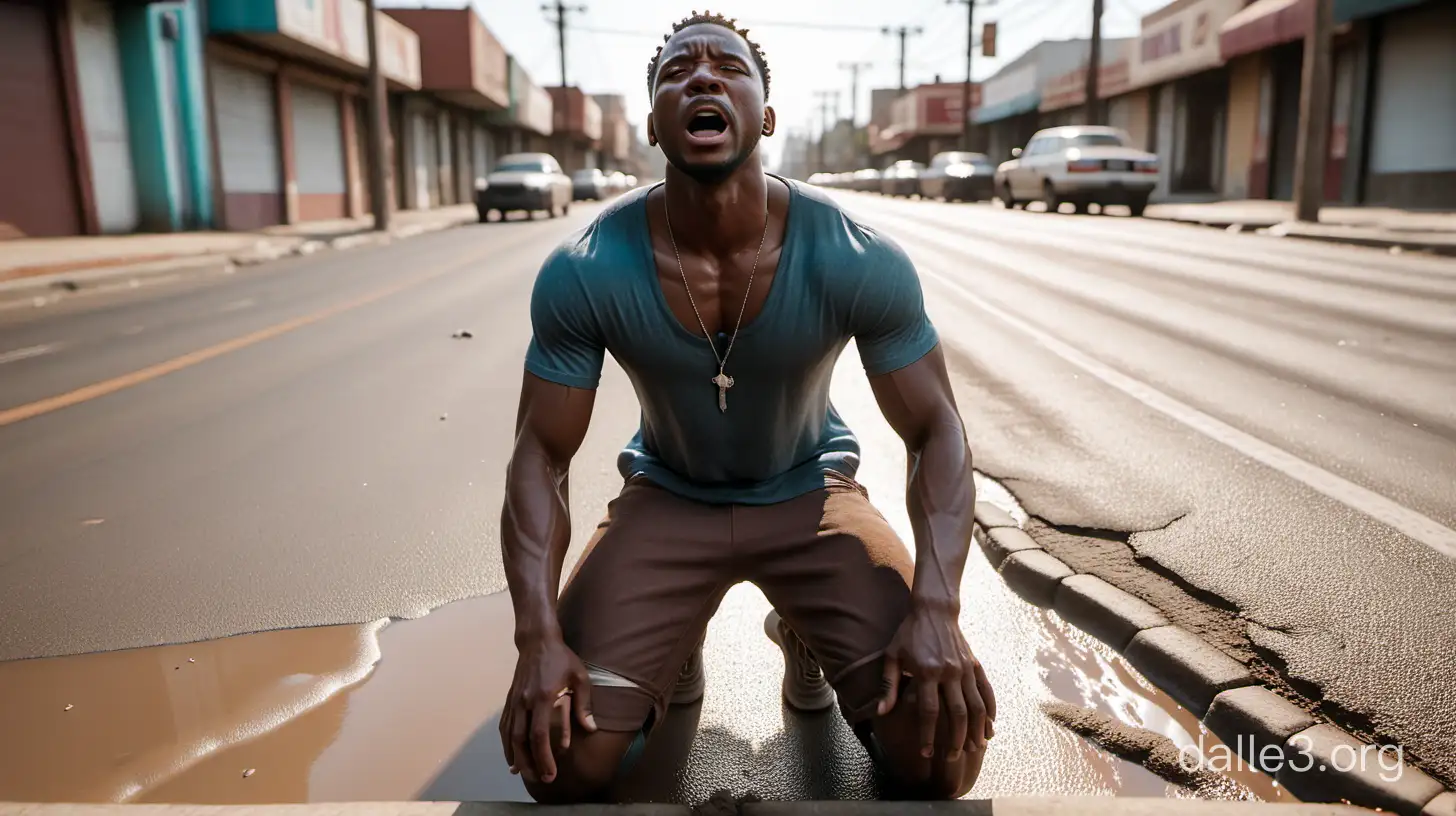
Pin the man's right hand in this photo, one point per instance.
(549, 675)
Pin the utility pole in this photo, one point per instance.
(562, 9)
(1314, 116)
(378, 127)
(824, 108)
(903, 32)
(966, 91)
(854, 68)
(1094, 66)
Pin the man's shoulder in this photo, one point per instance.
(835, 232)
(601, 247)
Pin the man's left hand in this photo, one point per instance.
(931, 650)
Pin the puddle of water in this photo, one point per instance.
(104, 727)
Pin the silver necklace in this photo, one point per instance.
(722, 381)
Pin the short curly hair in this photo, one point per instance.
(709, 18)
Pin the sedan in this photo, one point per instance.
(526, 182)
(590, 184)
(958, 176)
(901, 179)
(1081, 166)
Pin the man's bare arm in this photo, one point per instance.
(551, 422)
(918, 403)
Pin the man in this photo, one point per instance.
(727, 295)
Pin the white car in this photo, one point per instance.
(1081, 166)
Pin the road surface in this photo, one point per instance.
(1256, 434)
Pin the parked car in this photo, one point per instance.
(526, 182)
(590, 184)
(958, 176)
(866, 180)
(901, 178)
(1081, 165)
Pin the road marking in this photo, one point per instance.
(111, 386)
(237, 305)
(27, 353)
(1412, 523)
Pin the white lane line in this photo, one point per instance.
(1414, 524)
(27, 353)
(237, 305)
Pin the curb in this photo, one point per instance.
(1009, 806)
(1266, 730)
(1284, 230)
(42, 289)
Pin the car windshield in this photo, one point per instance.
(1095, 140)
(524, 166)
(964, 158)
(586, 175)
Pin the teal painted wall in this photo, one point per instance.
(242, 15)
(166, 111)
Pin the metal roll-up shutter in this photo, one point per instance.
(103, 109)
(38, 193)
(1412, 146)
(247, 129)
(318, 153)
(427, 161)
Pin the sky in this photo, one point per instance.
(805, 41)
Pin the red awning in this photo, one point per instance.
(1265, 24)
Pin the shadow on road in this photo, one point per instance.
(815, 757)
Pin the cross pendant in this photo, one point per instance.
(724, 382)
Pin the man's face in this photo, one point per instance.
(708, 110)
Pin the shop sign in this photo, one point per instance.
(1182, 42)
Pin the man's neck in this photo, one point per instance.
(718, 218)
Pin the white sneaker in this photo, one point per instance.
(805, 687)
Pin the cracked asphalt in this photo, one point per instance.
(309, 480)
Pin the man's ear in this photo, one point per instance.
(651, 132)
(770, 121)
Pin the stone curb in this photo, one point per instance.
(1443, 805)
(1186, 666)
(1257, 723)
(266, 250)
(1324, 233)
(990, 516)
(1315, 773)
(1010, 806)
(1000, 542)
(1104, 611)
(1034, 575)
(1219, 690)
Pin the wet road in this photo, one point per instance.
(304, 444)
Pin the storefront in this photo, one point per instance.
(1412, 149)
(528, 119)
(923, 121)
(464, 78)
(1179, 63)
(576, 130)
(288, 105)
(1064, 96)
(40, 186)
(1010, 102)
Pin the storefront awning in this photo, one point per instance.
(1265, 24)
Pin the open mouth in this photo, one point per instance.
(707, 123)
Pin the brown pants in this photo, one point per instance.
(640, 598)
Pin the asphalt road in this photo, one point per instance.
(304, 444)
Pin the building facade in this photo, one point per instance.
(288, 106)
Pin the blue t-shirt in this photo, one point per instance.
(836, 280)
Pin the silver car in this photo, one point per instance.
(527, 182)
(1078, 165)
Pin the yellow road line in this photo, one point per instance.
(90, 392)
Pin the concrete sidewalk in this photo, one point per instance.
(1014, 806)
(1366, 226)
(44, 262)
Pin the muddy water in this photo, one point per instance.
(298, 715)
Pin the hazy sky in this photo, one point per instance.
(803, 59)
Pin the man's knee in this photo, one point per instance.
(586, 771)
(911, 774)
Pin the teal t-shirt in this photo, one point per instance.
(836, 280)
